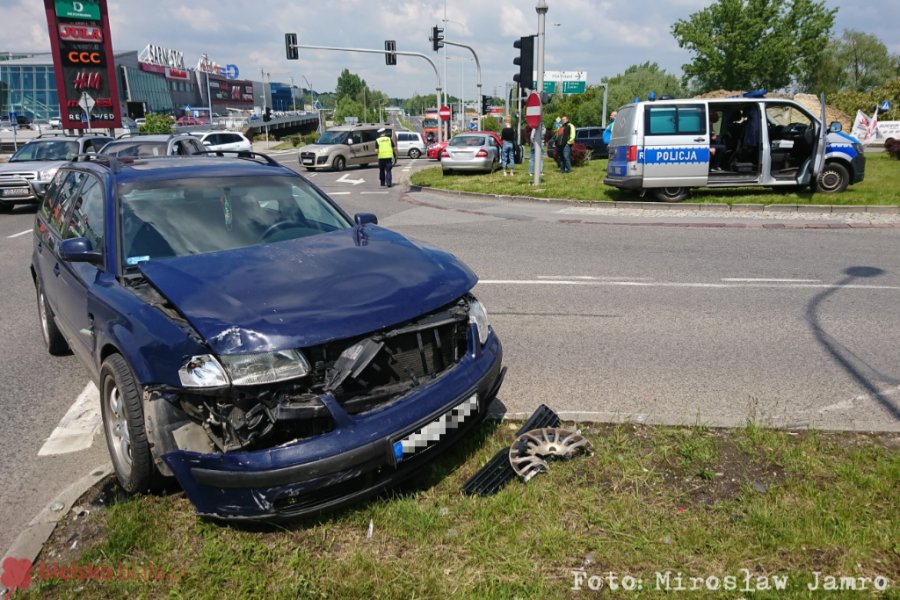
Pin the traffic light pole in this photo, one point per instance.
(541, 9)
(398, 52)
(478, 79)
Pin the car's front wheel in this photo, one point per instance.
(123, 423)
(339, 163)
(53, 338)
(833, 179)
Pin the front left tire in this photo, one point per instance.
(123, 423)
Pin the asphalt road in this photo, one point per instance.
(608, 316)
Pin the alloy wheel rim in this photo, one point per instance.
(117, 429)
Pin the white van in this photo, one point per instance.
(668, 147)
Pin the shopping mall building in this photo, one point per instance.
(154, 80)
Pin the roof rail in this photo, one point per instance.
(242, 154)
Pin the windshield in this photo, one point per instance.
(161, 219)
(429, 123)
(333, 137)
(47, 150)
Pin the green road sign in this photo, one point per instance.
(574, 87)
(78, 9)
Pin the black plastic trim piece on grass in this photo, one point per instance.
(491, 478)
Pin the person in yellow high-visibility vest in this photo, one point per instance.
(386, 155)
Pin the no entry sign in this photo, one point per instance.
(533, 110)
(444, 113)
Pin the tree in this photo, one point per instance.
(856, 61)
(349, 85)
(752, 44)
(156, 124)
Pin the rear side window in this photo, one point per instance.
(369, 135)
(675, 120)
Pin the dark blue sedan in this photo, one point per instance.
(252, 340)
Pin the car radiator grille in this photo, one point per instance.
(17, 179)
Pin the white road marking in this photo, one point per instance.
(77, 427)
(761, 279)
(20, 234)
(675, 284)
(592, 278)
(338, 193)
(343, 179)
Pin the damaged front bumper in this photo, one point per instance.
(363, 454)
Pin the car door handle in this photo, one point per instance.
(700, 139)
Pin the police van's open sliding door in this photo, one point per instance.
(676, 145)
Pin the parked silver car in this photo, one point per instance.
(410, 143)
(471, 152)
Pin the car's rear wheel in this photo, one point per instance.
(414, 153)
(53, 338)
(671, 194)
(123, 423)
(834, 178)
(495, 165)
(339, 163)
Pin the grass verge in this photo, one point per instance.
(660, 505)
(881, 186)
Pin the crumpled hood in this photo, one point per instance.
(308, 291)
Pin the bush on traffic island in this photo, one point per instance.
(892, 146)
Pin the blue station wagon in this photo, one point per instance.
(249, 338)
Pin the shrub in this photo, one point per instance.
(156, 124)
(892, 147)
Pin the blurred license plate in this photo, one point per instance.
(23, 191)
(307, 161)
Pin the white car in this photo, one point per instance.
(410, 143)
(223, 140)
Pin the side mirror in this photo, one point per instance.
(350, 142)
(365, 218)
(835, 126)
(79, 250)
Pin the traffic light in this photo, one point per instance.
(290, 46)
(485, 105)
(525, 76)
(437, 38)
(390, 47)
(267, 116)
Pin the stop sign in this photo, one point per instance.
(444, 113)
(533, 110)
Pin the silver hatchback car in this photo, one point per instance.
(410, 143)
(471, 152)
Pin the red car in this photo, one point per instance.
(434, 150)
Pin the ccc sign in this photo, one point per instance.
(85, 58)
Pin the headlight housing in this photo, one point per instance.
(265, 367)
(207, 371)
(47, 174)
(478, 316)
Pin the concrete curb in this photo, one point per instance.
(841, 209)
(31, 540)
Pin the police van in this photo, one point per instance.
(668, 147)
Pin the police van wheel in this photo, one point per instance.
(834, 178)
(671, 194)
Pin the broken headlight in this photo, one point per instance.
(202, 371)
(478, 316)
(265, 367)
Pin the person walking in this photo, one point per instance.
(565, 137)
(508, 151)
(386, 153)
